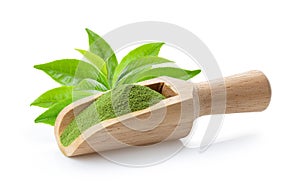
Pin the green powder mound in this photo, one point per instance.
(119, 101)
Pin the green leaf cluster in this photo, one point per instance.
(100, 71)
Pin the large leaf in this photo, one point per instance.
(166, 71)
(90, 84)
(142, 63)
(53, 96)
(101, 48)
(96, 60)
(49, 116)
(150, 49)
(71, 71)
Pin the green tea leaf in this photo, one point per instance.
(131, 76)
(142, 63)
(53, 96)
(150, 49)
(101, 48)
(71, 71)
(49, 116)
(96, 60)
(166, 71)
(79, 94)
(90, 84)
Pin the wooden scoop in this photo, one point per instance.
(171, 118)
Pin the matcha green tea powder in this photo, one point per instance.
(119, 101)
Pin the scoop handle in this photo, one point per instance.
(246, 92)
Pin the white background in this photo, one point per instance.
(252, 149)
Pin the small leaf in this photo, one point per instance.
(101, 48)
(96, 60)
(53, 96)
(142, 63)
(71, 71)
(49, 116)
(150, 49)
(89, 84)
(166, 71)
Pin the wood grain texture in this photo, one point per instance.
(246, 92)
(171, 118)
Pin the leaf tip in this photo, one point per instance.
(89, 31)
(36, 66)
(35, 103)
(37, 120)
(80, 50)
